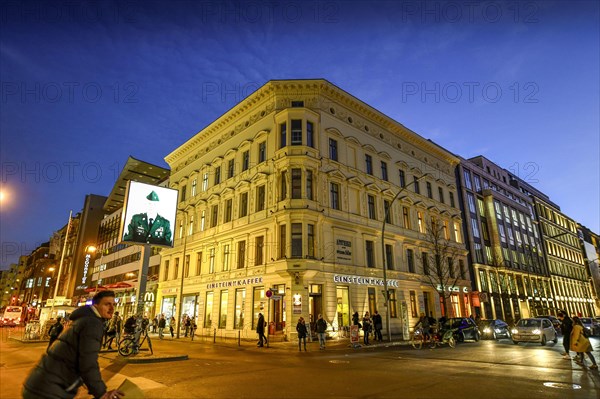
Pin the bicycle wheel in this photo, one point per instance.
(417, 341)
(452, 342)
(126, 347)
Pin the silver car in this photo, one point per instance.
(534, 330)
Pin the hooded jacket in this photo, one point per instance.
(71, 361)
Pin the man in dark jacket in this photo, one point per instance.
(260, 330)
(566, 326)
(55, 331)
(73, 359)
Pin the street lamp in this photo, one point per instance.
(385, 285)
(92, 249)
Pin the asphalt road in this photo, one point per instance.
(472, 370)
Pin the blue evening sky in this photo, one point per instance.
(85, 85)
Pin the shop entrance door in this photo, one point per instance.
(315, 308)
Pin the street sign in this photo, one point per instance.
(276, 297)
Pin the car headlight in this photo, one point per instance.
(536, 331)
(514, 331)
(486, 330)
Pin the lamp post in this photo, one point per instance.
(385, 285)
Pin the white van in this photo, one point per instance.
(12, 316)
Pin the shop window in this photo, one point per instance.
(240, 304)
(259, 305)
(372, 301)
(223, 309)
(208, 309)
(343, 306)
(392, 304)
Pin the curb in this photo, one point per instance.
(139, 360)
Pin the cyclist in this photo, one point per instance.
(423, 324)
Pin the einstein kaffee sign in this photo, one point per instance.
(360, 280)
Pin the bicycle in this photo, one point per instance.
(446, 338)
(418, 338)
(128, 345)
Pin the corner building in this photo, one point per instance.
(281, 205)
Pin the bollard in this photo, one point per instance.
(239, 338)
(215, 336)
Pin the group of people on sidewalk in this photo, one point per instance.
(575, 339)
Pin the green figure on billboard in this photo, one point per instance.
(149, 227)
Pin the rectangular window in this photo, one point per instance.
(186, 266)
(243, 205)
(230, 168)
(406, 217)
(388, 211)
(223, 309)
(457, 232)
(245, 160)
(416, 184)
(333, 150)
(425, 262)
(208, 310)
(471, 202)
(182, 195)
(477, 181)
(368, 164)
(215, 215)
(483, 280)
(282, 135)
(371, 206)
(389, 256)
(240, 305)
(259, 301)
(211, 261)
(335, 196)
(413, 304)
(283, 185)
(420, 222)
(296, 132)
(309, 184)
(282, 241)
(392, 304)
(410, 260)
(191, 226)
(370, 248)
(177, 268)
(384, 171)
(310, 236)
(258, 251)
(467, 178)
(202, 220)
(429, 190)
(166, 275)
(194, 183)
(205, 182)
(450, 267)
(217, 175)
(402, 178)
(198, 263)
(260, 198)
(296, 240)
(310, 134)
(475, 228)
(228, 209)
(296, 183)
(241, 255)
(461, 269)
(446, 231)
(451, 194)
(225, 257)
(441, 194)
(262, 152)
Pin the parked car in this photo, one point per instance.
(466, 328)
(555, 322)
(494, 329)
(588, 324)
(534, 330)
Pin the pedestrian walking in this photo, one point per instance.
(55, 331)
(154, 324)
(581, 344)
(367, 327)
(377, 325)
(355, 319)
(260, 330)
(72, 361)
(187, 324)
(162, 323)
(566, 327)
(111, 332)
(172, 326)
(321, 327)
(302, 331)
(193, 327)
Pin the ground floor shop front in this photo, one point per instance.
(227, 305)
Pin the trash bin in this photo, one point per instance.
(272, 328)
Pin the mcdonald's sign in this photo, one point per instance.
(149, 297)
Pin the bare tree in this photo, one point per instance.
(439, 262)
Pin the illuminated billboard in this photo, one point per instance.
(148, 215)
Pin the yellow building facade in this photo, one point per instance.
(281, 208)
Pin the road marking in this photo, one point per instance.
(562, 385)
